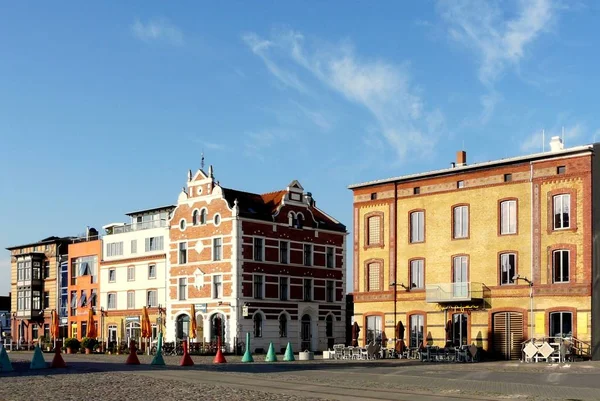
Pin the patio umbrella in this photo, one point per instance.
(54, 330)
(400, 330)
(355, 332)
(193, 322)
(91, 326)
(384, 339)
(449, 331)
(146, 327)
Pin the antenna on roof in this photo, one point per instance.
(563, 135)
(543, 140)
(202, 161)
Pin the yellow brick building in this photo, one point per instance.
(489, 254)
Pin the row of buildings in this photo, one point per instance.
(269, 264)
(490, 254)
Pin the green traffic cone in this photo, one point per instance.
(38, 362)
(247, 355)
(158, 358)
(271, 357)
(289, 354)
(5, 365)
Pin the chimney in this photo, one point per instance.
(461, 158)
(556, 144)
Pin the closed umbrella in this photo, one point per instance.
(146, 327)
(54, 330)
(400, 337)
(193, 327)
(92, 332)
(355, 332)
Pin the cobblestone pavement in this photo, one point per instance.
(107, 377)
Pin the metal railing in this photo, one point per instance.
(451, 292)
(561, 349)
(145, 225)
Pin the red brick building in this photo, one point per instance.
(269, 264)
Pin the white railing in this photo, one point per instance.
(451, 292)
(145, 225)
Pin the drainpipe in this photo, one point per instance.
(531, 317)
(395, 258)
(58, 287)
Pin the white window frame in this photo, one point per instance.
(504, 262)
(262, 249)
(419, 265)
(460, 227)
(554, 252)
(133, 246)
(112, 295)
(332, 292)
(216, 294)
(561, 207)
(179, 253)
(312, 290)
(130, 299)
(311, 255)
(114, 278)
(131, 273)
(182, 297)
(262, 286)
(151, 276)
(148, 298)
(220, 249)
(287, 251)
(506, 229)
(418, 235)
(332, 257)
(287, 288)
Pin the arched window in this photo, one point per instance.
(217, 327)
(133, 331)
(203, 216)
(257, 325)
(329, 326)
(291, 218)
(195, 218)
(183, 327)
(299, 220)
(282, 325)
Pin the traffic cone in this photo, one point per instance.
(58, 361)
(247, 355)
(132, 359)
(289, 354)
(186, 359)
(219, 357)
(271, 357)
(38, 362)
(5, 365)
(158, 358)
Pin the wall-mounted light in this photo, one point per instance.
(392, 284)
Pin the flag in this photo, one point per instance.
(193, 322)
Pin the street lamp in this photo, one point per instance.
(531, 321)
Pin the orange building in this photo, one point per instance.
(84, 289)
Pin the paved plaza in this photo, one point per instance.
(107, 377)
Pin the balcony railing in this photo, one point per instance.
(453, 292)
(145, 225)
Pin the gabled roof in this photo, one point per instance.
(45, 241)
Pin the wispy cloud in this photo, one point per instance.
(539, 140)
(383, 88)
(157, 30)
(317, 118)
(258, 141)
(204, 144)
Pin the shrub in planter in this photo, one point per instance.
(89, 344)
(72, 345)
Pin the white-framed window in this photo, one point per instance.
(562, 211)
(112, 275)
(330, 257)
(330, 291)
(508, 268)
(508, 217)
(152, 298)
(217, 219)
(374, 327)
(284, 288)
(417, 226)
(259, 249)
(258, 287)
(182, 288)
(417, 274)
(151, 271)
(112, 301)
(217, 249)
(284, 249)
(154, 244)
(112, 333)
(561, 324)
(461, 221)
(308, 254)
(114, 248)
(307, 287)
(217, 281)
(133, 246)
(130, 273)
(182, 254)
(203, 214)
(560, 266)
(130, 299)
(196, 217)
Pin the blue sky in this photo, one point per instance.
(105, 106)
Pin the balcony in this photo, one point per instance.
(453, 292)
(144, 225)
(30, 313)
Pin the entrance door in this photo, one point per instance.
(460, 326)
(305, 333)
(508, 334)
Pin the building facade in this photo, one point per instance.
(271, 265)
(5, 317)
(490, 254)
(35, 287)
(133, 273)
(84, 284)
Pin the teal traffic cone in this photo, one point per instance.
(38, 362)
(5, 365)
(271, 357)
(247, 355)
(158, 358)
(289, 354)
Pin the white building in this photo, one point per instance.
(133, 273)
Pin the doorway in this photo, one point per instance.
(305, 333)
(507, 329)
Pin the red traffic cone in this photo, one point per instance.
(186, 359)
(58, 361)
(132, 359)
(219, 357)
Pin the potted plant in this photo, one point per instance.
(89, 344)
(72, 345)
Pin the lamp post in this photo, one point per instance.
(531, 321)
(407, 289)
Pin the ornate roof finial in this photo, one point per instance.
(189, 175)
(202, 161)
(210, 171)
